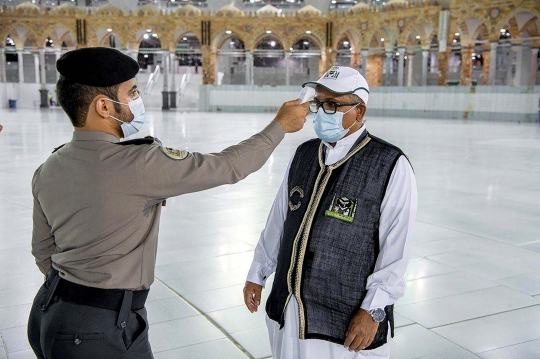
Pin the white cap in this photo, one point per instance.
(343, 80)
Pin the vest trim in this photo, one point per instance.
(302, 236)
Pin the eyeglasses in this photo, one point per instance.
(329, 107)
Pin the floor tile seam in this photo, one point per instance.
(174, 319)
(452, 229)
(211, 321)
(438, 275)
(508, 346)
(19, 204)
(468, 292)
(216, 256)
(480, 317)
(454, 270)
(187, 346)
(207, 290)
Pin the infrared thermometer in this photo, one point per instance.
(306, 94)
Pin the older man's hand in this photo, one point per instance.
(292, 115)
(252, 296)
(362, 330)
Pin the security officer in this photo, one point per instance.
(97, 205)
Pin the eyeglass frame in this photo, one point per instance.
(336, 105)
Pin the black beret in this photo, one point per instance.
(97, 66)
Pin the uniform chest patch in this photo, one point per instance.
(174, 153)
(342, 208)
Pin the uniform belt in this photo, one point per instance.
(97, 297)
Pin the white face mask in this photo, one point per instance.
(137, 109)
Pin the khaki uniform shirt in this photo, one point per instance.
(97, 204)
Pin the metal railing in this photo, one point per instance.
(152, 79)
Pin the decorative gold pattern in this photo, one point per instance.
(363, 26)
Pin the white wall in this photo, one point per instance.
(27, 95)
(483, 102)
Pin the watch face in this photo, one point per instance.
(378, 315)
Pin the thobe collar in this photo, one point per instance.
(347, 141)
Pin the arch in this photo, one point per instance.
(532, 27)
(258, 39)
(180, 33)
(351, 36)
(222, 37)
(19, 34)
(374, 40)
(111, 39)
(510, 19)
(424, 30)
(269, 42)
(69, 39)
(423, 27)
(310, 37)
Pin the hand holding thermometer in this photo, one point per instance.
(306, 94)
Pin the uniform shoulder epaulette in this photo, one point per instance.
(57, 148)
(137, 141)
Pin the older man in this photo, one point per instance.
(338, 234)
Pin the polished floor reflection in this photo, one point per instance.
(473, 286)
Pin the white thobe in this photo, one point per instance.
(384, 286)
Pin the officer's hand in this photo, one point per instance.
(292, 115)
(362, 329)
(252, 296)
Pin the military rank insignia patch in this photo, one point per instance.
(174, 154)
(342, 208)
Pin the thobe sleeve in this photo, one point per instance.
(267, 249)
(398, 213)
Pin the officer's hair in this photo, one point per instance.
(76, 99)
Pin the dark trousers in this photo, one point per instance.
(63, 330)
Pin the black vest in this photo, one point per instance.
(331, 237)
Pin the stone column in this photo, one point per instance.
(330, 59)
(165, 92)
(523, 65)
(534, 66)
(492, 62)
(410, 57)
(425, 54)
(365, 53)
(36, 68)
(20, 64)
(355, 60)
(485, 69)
(209, 65)
(442, 35)
(443, 69)
(2, 65)
(287, 68)
(401, 64)
(172, 93)
(249, 68)
(466, 66)
(43, 92)
(387, 68)
(58, 54)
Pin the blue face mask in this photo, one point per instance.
(329, 128)
(137, 109)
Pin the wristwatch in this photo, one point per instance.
(377, 314)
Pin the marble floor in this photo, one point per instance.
(473, 285)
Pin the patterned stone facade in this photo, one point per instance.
(368, 30)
